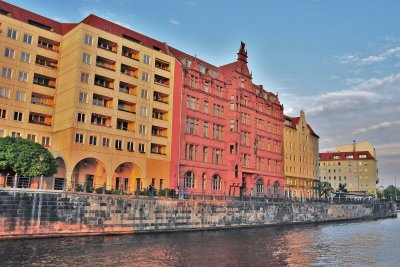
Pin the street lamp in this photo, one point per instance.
(41, 158)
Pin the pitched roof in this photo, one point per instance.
(295, 120)
(327, 156)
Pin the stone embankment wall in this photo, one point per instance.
(41, 214)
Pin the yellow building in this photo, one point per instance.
(301, 148)
(98, 95)
(353, 164)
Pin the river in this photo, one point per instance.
(359, 243)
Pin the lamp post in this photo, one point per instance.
(41, 158)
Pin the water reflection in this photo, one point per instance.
(371, 243)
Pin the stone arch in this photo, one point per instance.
(88, 173)
(127, 176)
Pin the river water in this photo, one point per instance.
(366, 243)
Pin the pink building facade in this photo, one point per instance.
(230, 131)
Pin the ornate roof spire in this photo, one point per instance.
(242, 55)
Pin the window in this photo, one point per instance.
(15, 134)
(205, 129)
(81, 117)
(144, 93)
(88, 39)
(118, 144)
(22, 76)
(189, 180)
(363, 156)
(20, 96)
(45, 141)
(218, 111)
(106, 142)
(206, 87)
(143, 111)
(217, 132)
(84, 77)
(93, 140)
(9, 52)
(79, 138)
(192, 126)
(142, 148)
(260, 186)
(25, 57)
(145, 76)
(86, 58)
(349, 156)
(205, 154)
(18, 116)
(6, 72)
(142, 129)
(12, 34)
(3, 113)
(192, 102)
(146, 59)
(2, 133)
(191, 152)
(216, 182)
(4, 93)
(217, 156)
(83, 97)
(130, 146)
(27, 38)
(205, 106)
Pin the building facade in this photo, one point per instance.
(98, 95)
(230, 131)
(353, 164)
(301, 157)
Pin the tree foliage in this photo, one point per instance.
(342, 188)
(324, 188)
(22, 156)
(391, 190)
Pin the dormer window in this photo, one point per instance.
(202, 69)
(188, 63)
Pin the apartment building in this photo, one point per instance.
(98, 95)
(231, 131)
(301, 158)
(353, 164)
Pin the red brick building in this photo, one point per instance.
(231, 131)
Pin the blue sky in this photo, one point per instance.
(339, 60)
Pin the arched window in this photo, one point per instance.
(276, 188)
(189, 179)
(260, 186)
(203, 181)
(268, 188)
(216, 182)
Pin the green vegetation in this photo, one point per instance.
(324, 188)
(25, 157)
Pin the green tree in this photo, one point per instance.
(25, 157)
(391, 191)
(324, 188)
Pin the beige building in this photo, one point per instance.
(98, 95)
(301, 148)
(352, 164)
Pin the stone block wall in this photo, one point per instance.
(25, 213)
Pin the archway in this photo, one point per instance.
(61, 174)
(129, 177)
(88, 174)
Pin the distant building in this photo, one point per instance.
(301, 158)
(353, 164)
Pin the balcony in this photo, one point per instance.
(160, 97)
(40, 99)
(46, 62)
(161, 80)
(127, 88)
(159, 131)
(102, 101)
(42, 119)
(125, 125)
(130, 53)
(104, 82)
(107, 45)
(160, 114)
(44, 80)
(162, 64)
(48, 44)
(130, 71)
(101, 120)
(158, 149)
(105, 63)
(127, 106)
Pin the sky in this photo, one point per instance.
(338, 60)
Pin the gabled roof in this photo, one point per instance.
(295, 120)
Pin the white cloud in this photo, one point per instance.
(174, 21)
(385, 124)
(349, 58)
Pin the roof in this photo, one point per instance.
(328, 156)
(25, 15)
(295, 120)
